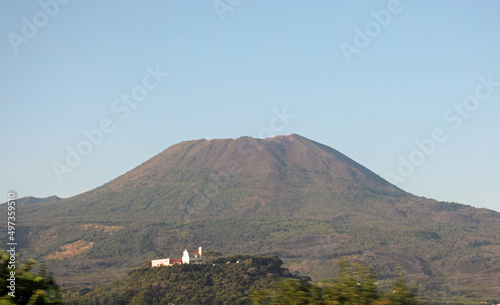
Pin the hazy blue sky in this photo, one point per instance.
(368, 78)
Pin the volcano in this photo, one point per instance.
(287, 195)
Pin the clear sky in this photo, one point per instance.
(368, 78)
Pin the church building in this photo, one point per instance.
(188, 257)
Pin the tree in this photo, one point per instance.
(401, 294)
(210, 256)
(356, 285)
(286, 292)
(30, 287)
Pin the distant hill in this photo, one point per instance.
(33, 200)
(287, 195)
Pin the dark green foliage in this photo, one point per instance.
(401, 294)
(34, 288)
(210, 257)
(356, 285)
(291, 291)
(217, 283)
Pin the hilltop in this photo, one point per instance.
(287, 195)
(229, 280)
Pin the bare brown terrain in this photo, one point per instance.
(72, 250)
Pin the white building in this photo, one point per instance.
(165, 262)
(191, 256)
(188, 257)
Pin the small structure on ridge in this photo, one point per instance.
(188, 257)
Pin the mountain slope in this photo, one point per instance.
(265, 177)
(285, 195)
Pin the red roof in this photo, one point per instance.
(196, 252)
(175, 261)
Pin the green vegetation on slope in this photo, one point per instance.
(356, 284)
(218, 283)
(428, 250)
(244, 280)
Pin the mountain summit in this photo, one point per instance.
(264, 158)
(286, 195)
(272, 176)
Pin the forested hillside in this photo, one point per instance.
(229, 280)
(243, 280)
